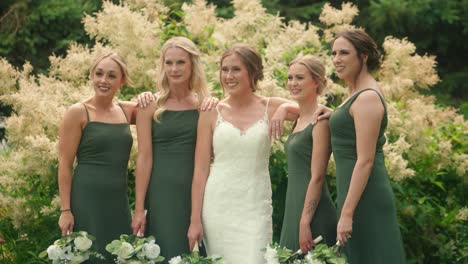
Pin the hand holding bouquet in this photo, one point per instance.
(135, 250)
(195, 258)
(321, 254)
(73, 248)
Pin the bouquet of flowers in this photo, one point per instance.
(135, 250)
(195, 258)
(73, 248)
(321, 254)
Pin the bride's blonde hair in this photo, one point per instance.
(197, 83)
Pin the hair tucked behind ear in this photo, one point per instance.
(316, 69)
(119, 60)
(252, 61)
(364, 45)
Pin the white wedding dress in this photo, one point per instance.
(237, 207)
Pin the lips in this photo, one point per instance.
(339, 68)
(231, 84)
(295, 91)
(104, 88)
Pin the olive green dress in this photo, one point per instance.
(376, 237)
(298, 149)
(168, 198)
(99, 200)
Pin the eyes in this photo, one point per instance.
(226, 69)
(111, 75)
(297, 77)
(177, 62)
(340, 52)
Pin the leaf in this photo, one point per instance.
(43, 254)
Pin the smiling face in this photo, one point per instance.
(177, 66)
(346, 60)
(107, 77)
(235, 77)
(301, 83)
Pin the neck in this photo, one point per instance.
(307, 107)
(240, 100)
(103, 103)
(360, 82)
(179, 92)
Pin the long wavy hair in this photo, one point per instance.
(197, 84)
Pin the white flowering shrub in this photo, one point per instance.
(426, 143)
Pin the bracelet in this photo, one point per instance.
(64, 210)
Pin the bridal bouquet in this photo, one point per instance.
(135, 250)
(73, 248)
(195, 258)
(321, 254)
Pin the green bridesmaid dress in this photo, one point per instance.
(99, 200)
(376, 237)
(298, 149)
(168, 198)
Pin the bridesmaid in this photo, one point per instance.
(309, 208)
(368, 222)
(167, 132)
(97, 133)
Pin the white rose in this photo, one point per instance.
(151, 250)
(271, 256)
(125, 251)
(67, 253)
(176, 260)
(54, 252)
(82, 243)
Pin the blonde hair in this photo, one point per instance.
(316, 69)
(197, 83)
(119, 60)
(251, 59)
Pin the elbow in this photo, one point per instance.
(317, 180)
(365, 163)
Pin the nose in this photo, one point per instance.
(335, 58)
(229, 74)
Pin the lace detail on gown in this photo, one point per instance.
(237, 207)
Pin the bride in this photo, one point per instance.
(231, 197)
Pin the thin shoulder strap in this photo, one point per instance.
(266, 107)
(220, 117)
(87, 113)
(380, 96)
(123, 111)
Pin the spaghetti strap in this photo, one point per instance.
(266, 108)
(367, 89)
(123, 111)
(87, 113)
(220, 117)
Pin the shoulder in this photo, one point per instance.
(275, 101)
(369, 96)
(76, 111)
(128, 107)
(207, 119)
(148, 110)
(75, 115)
(128, 104)
(368, 104)
(321, 127)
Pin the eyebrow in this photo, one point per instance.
(111, 71)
